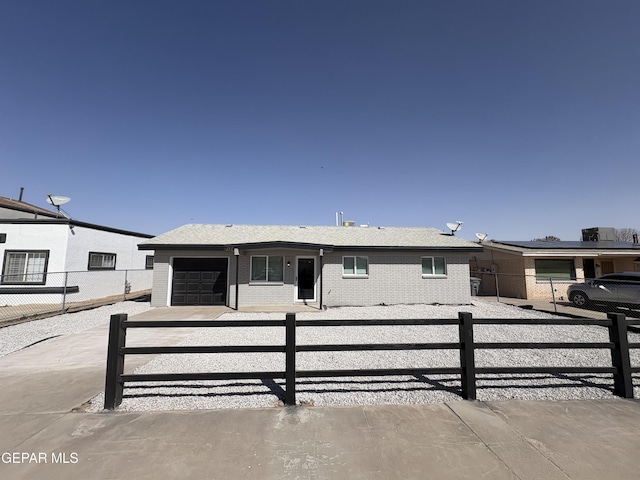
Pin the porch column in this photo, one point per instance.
(321, 254)
(236, 253)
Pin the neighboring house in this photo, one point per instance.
(10, 208)
(527, 269)
(241, 265)
(44, 255)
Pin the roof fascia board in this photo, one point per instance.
(302, 246)
(581, 253)
(74, 223)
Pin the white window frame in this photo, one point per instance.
(355, 267)
(105, 263)
(28, 277)
(433, 267)
(266, 281)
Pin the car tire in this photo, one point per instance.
(579, 299)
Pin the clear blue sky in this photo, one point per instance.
(520, 118)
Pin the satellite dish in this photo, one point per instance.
(454, 227)
(57, 200)
(481, 236)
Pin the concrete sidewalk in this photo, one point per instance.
(44, 433)
(459, 440)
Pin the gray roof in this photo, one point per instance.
(212, 236)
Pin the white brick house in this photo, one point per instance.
(242, 265)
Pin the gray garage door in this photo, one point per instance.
(199, 281)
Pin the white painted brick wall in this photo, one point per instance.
(393, 279)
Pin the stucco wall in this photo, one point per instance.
(69, 252)
(84, 240)
(509, 268)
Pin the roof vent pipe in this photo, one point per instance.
(21, 191)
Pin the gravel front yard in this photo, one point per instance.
(377, 390)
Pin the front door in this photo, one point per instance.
(606, 266)
(589, 268)
(306, 279)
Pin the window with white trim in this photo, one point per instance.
(267, 268)
(28, 266)
(432, 266)
(102, 261)
(355, 266)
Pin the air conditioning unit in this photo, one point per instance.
(598, 234)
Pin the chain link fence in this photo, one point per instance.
(65, 292)
(595, 294)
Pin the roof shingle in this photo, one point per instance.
(321, 236)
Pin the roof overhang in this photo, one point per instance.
(569, 253)
(304, 246)
(73, 223)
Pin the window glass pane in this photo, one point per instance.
(95, 261)
(348, 266)
(35, 267)
(14, 269)
(109, 261)
(427, 266)
(440, 266)
(555, 269)
(276, 269)
(362, 266)
(258, 268)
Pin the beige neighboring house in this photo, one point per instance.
(528, 269)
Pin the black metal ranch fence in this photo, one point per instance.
(616, 324)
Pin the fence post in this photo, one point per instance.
(497, 287)
(64, 291)
(467, 356)
(553, 295)
(115, 361)
(622, 381)
(290, 370)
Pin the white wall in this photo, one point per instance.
(83, 240)
(37, 237)
(69, 252)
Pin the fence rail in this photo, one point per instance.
(616, 324)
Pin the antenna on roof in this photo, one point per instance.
(454, 227)
(56, 201)
(481, 237)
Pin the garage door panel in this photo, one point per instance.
(179, 299)
(193, 299)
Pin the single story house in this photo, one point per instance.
(45, 255)
(527, 270)
(242, 265)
